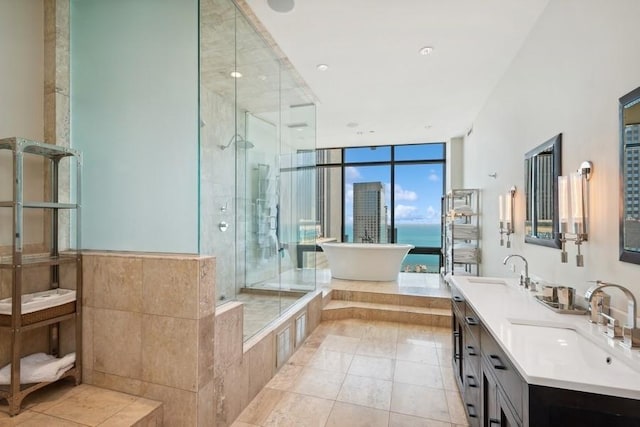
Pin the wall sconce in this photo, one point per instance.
(506, 215)
(573, 208)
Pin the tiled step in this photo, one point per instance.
(421, 310)
(390, 298)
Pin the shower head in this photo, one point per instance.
(244, 144)
(240, 143)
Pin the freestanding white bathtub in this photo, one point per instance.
(379, 262)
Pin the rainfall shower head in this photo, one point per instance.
(241, 143)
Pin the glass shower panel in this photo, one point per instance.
(257, 131)
(218, 135)
(261, 178)
(299, 228)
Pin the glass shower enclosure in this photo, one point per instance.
(257, 166)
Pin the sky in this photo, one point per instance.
(418, 187)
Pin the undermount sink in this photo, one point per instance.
(486, 281)
(567, 350)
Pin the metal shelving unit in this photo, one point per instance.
(19, 263)
(461, 232)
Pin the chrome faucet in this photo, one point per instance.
(527, 281)
(630, 333)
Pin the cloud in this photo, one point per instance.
(431, 213)
(408, 195)
(407, 212)
(433, 176)
(352, 173)
(348, 193)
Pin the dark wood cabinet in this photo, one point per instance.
(496, 409)
(495, 395)
(466, 357)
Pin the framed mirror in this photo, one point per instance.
(630, 177)
(541, 169)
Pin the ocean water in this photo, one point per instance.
(425, 235)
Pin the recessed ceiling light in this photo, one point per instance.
(282, 6)
(352, 125)
(426, 50)
(235, 74)
(322, 67)
(372, 131)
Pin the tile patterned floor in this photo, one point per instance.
(352, 373)
(64, 405)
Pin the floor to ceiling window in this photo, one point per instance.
(356, 202)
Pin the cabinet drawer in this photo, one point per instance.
(472, 322)
(506, 375)
(457, 301)
(471, 398)
(471, 353)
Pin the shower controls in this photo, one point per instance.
(223, 226)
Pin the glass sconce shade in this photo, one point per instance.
(572, 204)
(505, 208)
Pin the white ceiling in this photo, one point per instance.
(377, 78)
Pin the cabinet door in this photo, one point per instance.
(507, 417)
(457, 354)
(471, 397)
(490, 414)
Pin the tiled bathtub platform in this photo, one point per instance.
(421, 299)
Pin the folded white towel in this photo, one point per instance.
(39, 367)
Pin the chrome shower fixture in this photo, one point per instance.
(240, 143)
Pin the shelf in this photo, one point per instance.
(39, 148)
(41, 309)
(461, 224)
(41, 261)
(43, 317)
(28, 388)
(40, 205)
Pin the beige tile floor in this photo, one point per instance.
(64, 405)
(356, 373)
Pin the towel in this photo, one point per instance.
(39, 367)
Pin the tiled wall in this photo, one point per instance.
(241, 371)
(149, 330)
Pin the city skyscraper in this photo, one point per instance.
(369, 213)
(632, 187)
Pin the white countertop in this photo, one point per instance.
(548, 348)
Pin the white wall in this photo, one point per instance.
(21, 104)
(581, 56)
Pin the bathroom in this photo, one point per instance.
(561, 81)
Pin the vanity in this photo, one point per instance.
(517, 363)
